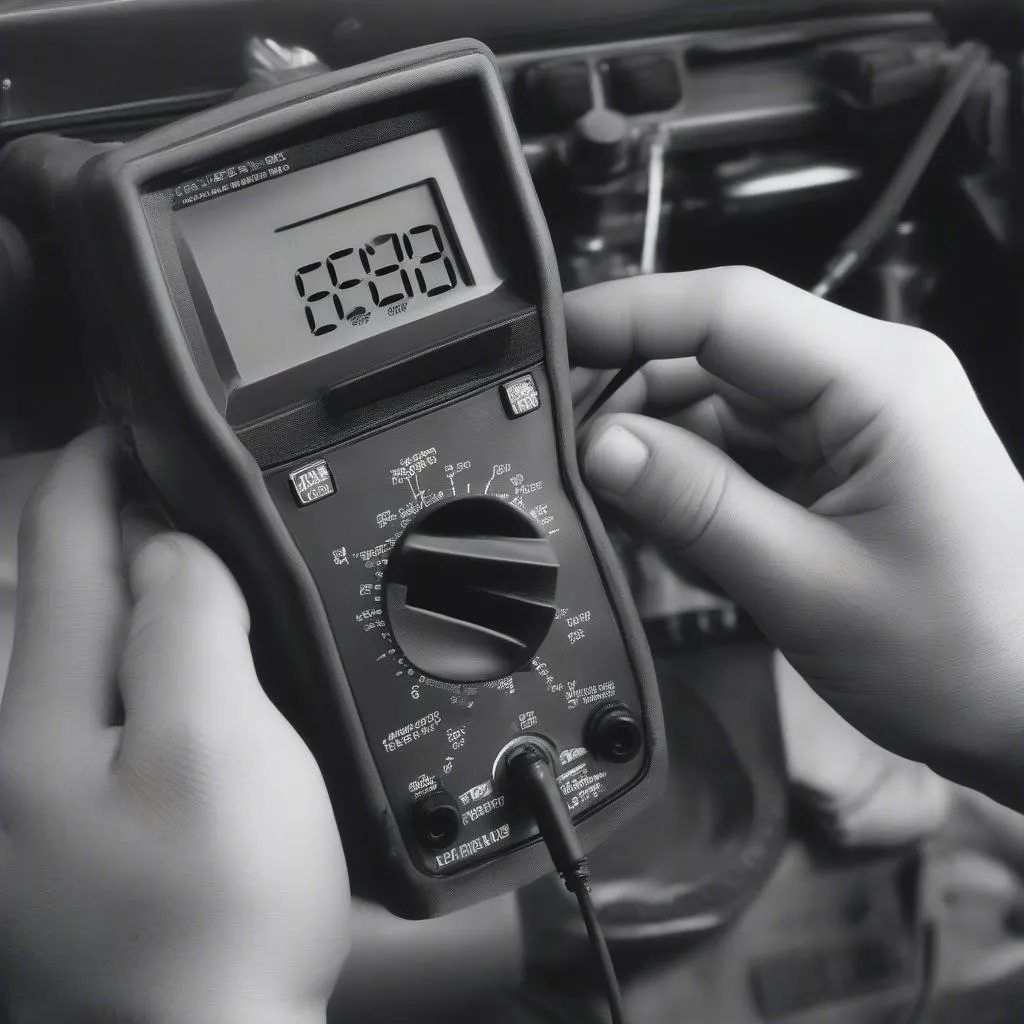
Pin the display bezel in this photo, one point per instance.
(245, 402)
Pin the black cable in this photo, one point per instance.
(601, 951)
(633, 367)
(882, 217)
(531, 781)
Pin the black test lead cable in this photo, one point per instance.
(531, 781)
(633, 367)
(883, 215)
(648, 260)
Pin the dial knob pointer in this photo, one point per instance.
(470, 590)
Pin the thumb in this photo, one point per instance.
(186, 658)
(774, 557)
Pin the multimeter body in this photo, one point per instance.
(328, 319)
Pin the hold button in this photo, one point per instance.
(520, 396)
(312, 482)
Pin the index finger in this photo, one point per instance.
(770, 339)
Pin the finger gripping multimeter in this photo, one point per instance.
(329, 321)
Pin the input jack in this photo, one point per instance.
(613, 733)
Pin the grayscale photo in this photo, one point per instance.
(511, 512)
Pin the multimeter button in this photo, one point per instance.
(312, 483)
(520, 396)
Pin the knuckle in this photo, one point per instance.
(737, 292)
(739, 282)
(201, 585)
(935, 351)
(928, 366)
(204, 577)
(739, 276)
(916, 341)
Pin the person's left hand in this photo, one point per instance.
(184, 865)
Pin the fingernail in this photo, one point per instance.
(615, 461)
(156, 564)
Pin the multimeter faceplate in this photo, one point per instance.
(338, 354)
(429, 735)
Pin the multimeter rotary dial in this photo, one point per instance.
(470, 590)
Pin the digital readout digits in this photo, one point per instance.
(349, 286)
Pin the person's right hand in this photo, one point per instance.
(895, 583)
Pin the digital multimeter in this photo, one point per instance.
(332, 331)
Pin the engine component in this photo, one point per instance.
(643, 83)
(550, 97)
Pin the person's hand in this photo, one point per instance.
(183, 866)
(892, 574)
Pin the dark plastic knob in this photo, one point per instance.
(601, 146)
(549, 97)
(470, 590)
(643, 83)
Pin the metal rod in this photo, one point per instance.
(655, 195)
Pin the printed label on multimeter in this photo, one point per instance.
(520, 396)
(312, 483)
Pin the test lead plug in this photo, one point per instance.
(530, 781)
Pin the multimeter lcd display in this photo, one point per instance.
(316, 259)
(369, 264)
